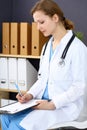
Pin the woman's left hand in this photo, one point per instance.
(45, 105)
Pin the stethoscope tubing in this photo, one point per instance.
(62, 62)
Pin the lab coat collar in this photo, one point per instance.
(62, 44)
(67, 37)
(64, 41)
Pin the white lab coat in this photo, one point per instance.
(66, 85)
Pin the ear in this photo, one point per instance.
(55, 18)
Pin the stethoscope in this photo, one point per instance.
(62, 58)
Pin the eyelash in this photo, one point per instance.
(42, 22)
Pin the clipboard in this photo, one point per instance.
(17, 107)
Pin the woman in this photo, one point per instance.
(61, 77)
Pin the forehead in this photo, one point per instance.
(40, 15)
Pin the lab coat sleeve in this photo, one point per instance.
(79, 72)
(37, 88)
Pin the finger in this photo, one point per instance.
(40, 101)
(37, 106)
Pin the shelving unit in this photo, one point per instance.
(4, 93)
(20, 56)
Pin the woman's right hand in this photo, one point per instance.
(24, 98)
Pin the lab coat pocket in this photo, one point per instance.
(62, 85)
(59, 73)
(62, 72)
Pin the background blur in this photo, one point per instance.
(19, 11)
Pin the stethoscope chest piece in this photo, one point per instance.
(61, 63)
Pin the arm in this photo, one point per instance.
(79, 76)
(37, 88)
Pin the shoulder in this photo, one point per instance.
(78, 51)
(78, 45)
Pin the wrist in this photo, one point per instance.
(30, 96)
(52, 106)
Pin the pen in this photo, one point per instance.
(18, 90)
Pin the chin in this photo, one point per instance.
(46, 35)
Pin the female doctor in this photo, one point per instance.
(61, 77)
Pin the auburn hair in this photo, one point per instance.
(49, 7)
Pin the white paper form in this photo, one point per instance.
(17, 107)
(4, 102)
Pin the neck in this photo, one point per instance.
(58, 35)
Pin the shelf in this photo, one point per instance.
(7, 90)
(19, 56)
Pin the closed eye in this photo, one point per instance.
(41, 22)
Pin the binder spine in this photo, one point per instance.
(12, 70)
(38, 40)
(14, 38)
(4, 73)
(25, 39)
(5, 38)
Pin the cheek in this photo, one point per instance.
(51, 25)
(51, 28)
